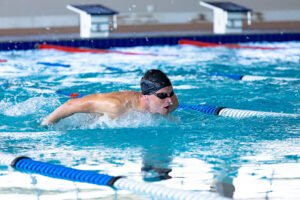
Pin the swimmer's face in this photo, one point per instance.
(163, 101)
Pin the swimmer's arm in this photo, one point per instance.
(84, 105)
(67, 109)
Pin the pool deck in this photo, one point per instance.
(137, 31)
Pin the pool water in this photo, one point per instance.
(247, 158)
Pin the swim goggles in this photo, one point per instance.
(163, 95)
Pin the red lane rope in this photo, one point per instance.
(87, 50)
(232, 46)
(2, 60)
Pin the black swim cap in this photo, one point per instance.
(154, 80)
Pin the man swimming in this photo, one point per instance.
(156, 96)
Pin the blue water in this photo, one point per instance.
(259, 156)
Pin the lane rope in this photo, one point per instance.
(235, 113)
(27, 165)
(252, 78)
(50, 64)
(89, 50)
(230, 46)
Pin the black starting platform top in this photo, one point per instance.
(229, 6)
(93, 9)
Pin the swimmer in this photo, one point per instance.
(156, 96)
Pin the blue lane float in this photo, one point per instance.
(207, 109)
(25, 164)
(231, 76)
(252, 78)
(114, 69)
(50, 64)
(118, 70)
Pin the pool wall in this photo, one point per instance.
(104, 43)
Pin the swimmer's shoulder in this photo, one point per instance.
(122, 95)
(130, 92)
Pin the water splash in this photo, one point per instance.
(98, 121)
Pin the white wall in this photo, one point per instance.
(45, 13)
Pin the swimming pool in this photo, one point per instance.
(258, 155)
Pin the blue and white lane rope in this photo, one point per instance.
(28, 165)
(252, 78)
(236, 113)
